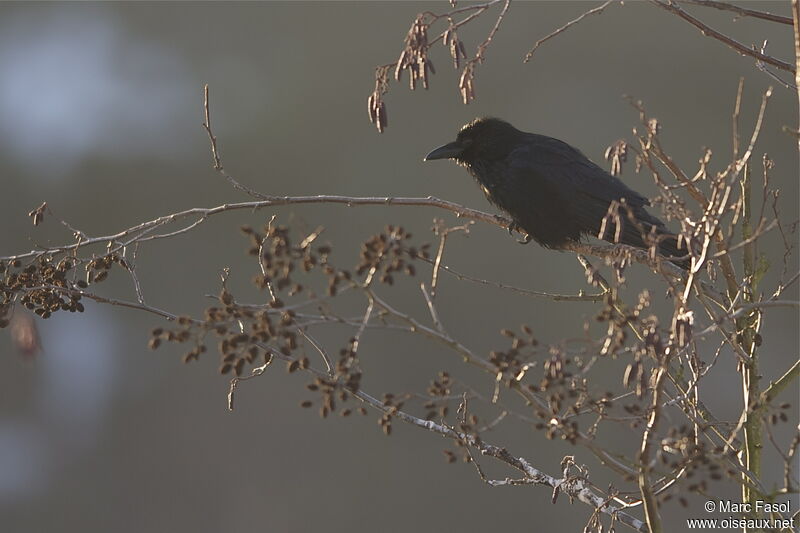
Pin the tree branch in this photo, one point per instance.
(741, 11)
(575, 487)
(672, 7)
(596, 11)
(203, 213)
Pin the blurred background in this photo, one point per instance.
(100, 116)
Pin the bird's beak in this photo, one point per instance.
(448, 151)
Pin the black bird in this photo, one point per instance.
(551, 190)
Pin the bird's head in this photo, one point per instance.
(484, 139)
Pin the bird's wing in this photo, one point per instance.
(567, 169)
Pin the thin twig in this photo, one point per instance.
(215, 151)
(485, 44)
(777, 386)
(763, 68)
(540, 42)
(443, 233)
(324, 354)
(257, 371)
(468, 356)
(432, 309)
(580, 297)
(364, 322)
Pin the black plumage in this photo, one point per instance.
(551, 190)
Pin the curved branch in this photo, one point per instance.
(741, 11)
(672, 7)
(270, 201)
(203, 213)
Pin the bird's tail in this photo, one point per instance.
(668, 247)
(667, 242)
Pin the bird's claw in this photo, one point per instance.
(516, 227)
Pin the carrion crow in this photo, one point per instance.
(552, 191)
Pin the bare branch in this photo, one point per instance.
(672, 7)
(763, 68)
(320, 350)
(215, 151)
(741, 11)
(272, 201)
(540, 42)
(777, 386)
(442, 231)
(575, 486)
(580, 297)
(257, 371)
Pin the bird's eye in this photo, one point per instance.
(466, 142)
